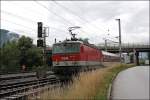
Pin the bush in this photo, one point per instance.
(14, 54)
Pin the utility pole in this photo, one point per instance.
(44, 45)
(119, 23)
(55, 40)
(149, 57)
(105, 44)
(45, 34)
(106, 41)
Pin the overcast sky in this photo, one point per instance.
(94, 17)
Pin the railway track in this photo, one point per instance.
(20, 86)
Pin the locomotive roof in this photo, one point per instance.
(109, 54)
(69, 42)
(87, 44)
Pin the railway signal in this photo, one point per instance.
(40, 29)
(43, 32)
(39, 43)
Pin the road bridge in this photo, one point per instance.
(135, 48)
(126, 48)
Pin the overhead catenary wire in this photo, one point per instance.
(81, 18)
(30, 27)
(32, 21)
(24, 18)
(18, 24)
(55, 14)
(39, 13)
(67, 9)
(18, 16)
(26, 31)
(52, 12)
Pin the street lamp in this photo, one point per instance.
(119, 37)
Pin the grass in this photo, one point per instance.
(88, 85)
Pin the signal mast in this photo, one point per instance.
(70, 29)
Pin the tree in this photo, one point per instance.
(9, 57)
(30, 55)
(25, 42)
(34, 57)
(14, 54)
(85, 40)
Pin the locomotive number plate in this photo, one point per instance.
(64, 58)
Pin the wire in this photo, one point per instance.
(55, 13)
(20, 17)
(29, 20)
(30, 27)
(66, 9)
(32, 21)
(19, 24)
(74, 14)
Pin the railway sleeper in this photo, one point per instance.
(24, 95)
(26, 88)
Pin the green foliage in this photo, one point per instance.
(33, 57)
(25, 43)
(14, 54)
(9, 57)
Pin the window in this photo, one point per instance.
(66, 48)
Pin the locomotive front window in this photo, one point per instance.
(66, 48)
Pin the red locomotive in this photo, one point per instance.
(73, 55)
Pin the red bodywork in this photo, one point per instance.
(90, 54)
(86, 55)
(66, 57)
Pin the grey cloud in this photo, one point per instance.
(93, 11)
(139, 23)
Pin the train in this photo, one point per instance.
(69, 57)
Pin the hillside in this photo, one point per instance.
(6, 35)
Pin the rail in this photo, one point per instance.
(20, 86)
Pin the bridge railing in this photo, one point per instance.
(102, 46)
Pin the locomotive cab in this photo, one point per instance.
(73, 56)
(66, 54)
